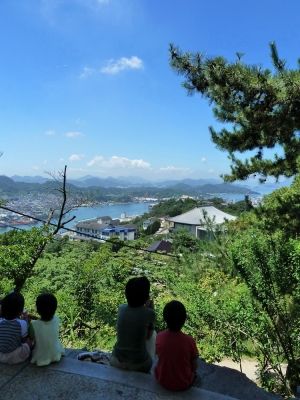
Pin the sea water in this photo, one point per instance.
(81, 213)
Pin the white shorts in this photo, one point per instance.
(17, 356)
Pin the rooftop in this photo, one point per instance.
(193, 217)
(161, 245)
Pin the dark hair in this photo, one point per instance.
(46, 305)
(175, 315)
(12, 305)
(137, 291)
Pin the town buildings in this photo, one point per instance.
(103, 228)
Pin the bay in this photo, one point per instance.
(82, 213)
(131, 209)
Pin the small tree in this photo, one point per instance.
(153, 228)
(270, 266)
(22, 249)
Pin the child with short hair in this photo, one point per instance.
(177, 352)
(135, 326)
(45, 332)
(13, 330)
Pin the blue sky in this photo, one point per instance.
(87, 84)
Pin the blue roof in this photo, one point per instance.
(118, 229)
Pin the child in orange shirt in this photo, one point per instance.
(177, 352)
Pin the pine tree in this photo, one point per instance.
(263, 106)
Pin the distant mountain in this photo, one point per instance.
(134, 179)
(30, 179)
(200, 182)
(107, 182)
(187, 181)
(5, 180)
(274, 185)
(224, 188)
(84, 178)
(182, 186)
(200, 186)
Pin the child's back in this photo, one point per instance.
(45, 331)
(13, 330)
(177, 352)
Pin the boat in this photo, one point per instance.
(21, 222)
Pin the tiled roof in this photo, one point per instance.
(128, 226)
(90, 225)
(193, 217)
(162, 245)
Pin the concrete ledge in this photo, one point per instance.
(71, 379)
(129, 378)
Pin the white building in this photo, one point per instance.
(191, 220)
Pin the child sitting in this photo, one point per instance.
(135, 326)
(45, 332)
(177, 352)
(13, 330)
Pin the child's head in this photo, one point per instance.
(175, 315)
(137, 291)
(46, 305)
(12, 305)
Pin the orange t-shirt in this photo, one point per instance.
(175, 352)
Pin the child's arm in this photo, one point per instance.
(150, 304)
(31, 332)
(194, 356)
(149, 334)
(194, 364)
(32, 317)
(24, 330)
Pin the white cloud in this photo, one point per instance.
(61, 159)
(170, 168)
(203, 159)
(79, 121)
(118, 162)
(97, 160)
(45, 162)
(77, 169)
(76, 157)
(93, 3)
(87, 72)
(35, 167)
(73, 134)
(122, 64)
(211, 170)
(50, 133)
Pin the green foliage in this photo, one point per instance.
(281, 209)
(237, 208)
(184, 241)
(270, 266)
(153, 228)
(57, 245)
(260, 105)
(173, 207)
(19, 251)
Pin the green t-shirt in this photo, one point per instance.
(133, 324)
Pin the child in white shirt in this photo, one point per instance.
(45, 332)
